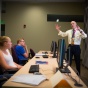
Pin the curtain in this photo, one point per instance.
(85, 43)
(0, 17)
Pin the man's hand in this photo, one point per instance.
(78, 28)
(57, 27)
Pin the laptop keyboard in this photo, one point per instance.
(34, 68)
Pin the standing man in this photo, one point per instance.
(21, 50)
(74, 40)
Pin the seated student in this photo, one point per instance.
(6, 60)
(21, 50)
(4, 76)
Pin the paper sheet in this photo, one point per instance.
(37, 54)
(29, 79)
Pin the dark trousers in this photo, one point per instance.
(74, 51)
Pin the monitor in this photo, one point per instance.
(61, 50)
(54, 49)
(51, 47)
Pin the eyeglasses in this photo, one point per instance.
(22, 41)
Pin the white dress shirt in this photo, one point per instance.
(77, 36)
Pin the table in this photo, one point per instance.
(47, 69)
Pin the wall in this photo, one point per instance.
(38, 33)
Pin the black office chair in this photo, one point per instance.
(32, 53)
(2, 78)
(15, 58)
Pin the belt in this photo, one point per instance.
(73, 45)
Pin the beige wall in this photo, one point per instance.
(39, 33)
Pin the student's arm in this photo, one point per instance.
(26, 51)
(18, 66)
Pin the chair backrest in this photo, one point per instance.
(32, 52)
(3, 79)
(15, 59)
(1, 70)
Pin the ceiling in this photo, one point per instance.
(47, 0)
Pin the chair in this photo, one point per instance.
(32, 53)
(1, 75)
(15, 58)
(2, 78)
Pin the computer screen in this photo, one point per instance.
(51, 47)
(54, 48)
(61, 51)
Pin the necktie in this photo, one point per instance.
(73, 33)
(72, 40)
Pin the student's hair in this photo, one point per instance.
(19, 40)
(3, 39)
